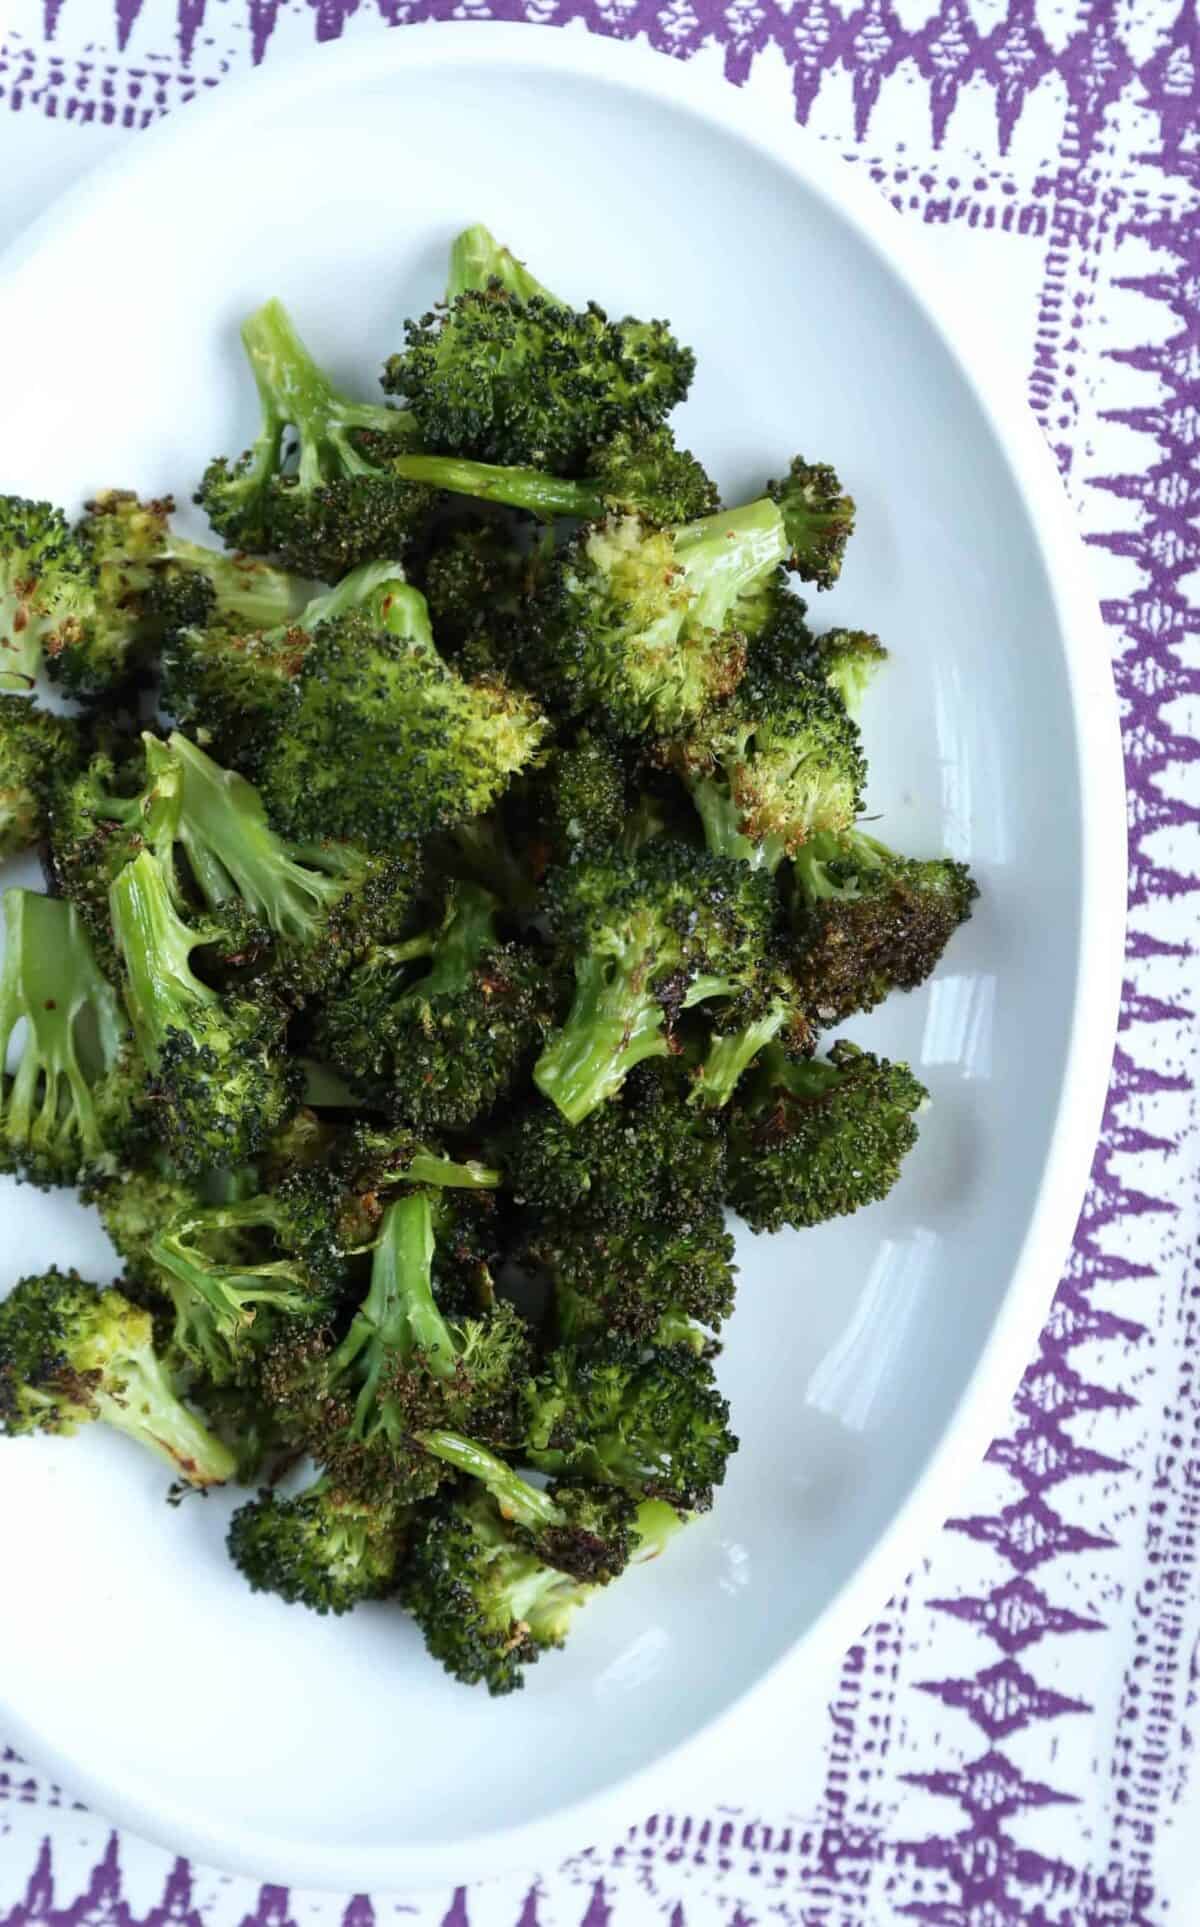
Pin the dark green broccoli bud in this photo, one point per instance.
(639, 472)
(644, 624)
(229, 1299)
(435, 1028)
(37, 751)
(492, 852)
(385, 741)
(655, 1424)
(646, 1153)
(778, 764)
(870, 922)
(71, 1354)
(317, 486)
(234, 685)
(506, 373)
(320, 903)
(67, 1110)
(45, 586)
(99, 817)
(650, 935)
(577, 804)
(617, 1280)
(819, 518)
(849, 660)
(358, 1405)
(320, 1549)
(146, 581)
(586, 1531)
(817, 1140)
(218, 1080)
(477, 582)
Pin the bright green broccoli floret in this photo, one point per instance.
(650, 936)
(869, 921)
(820, 520)
(37, 751)
(779, 763)
(849, 660)
(654, 1424)
(146, 581)
(816, 1140)
(506, 373)
(385, 741)
(320, 1549)
(357, 1405)
(67, 1109)
(71, 1354)
(217, 1078)
(46, 586)
(435, 1028)
(317, 486)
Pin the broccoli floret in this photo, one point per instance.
(506, 373)
(37, 751)
(817, 1140)
(773, 767)
(655, 1425)
(626, 1280)
(358, 1405)
(477, 582)
(385, 741)
(134, 1207)
(319, 903)
(317, 487)
(646, 1153)
(320, 1549)
(67, 1110)
(146, 581)
(849, 660)
(234, 685)
(650, 936)
(71, 1354)
(768, 1004)
(218, 1080)
(46, 586)
(819, 517)
(435, 1028)
(584, 1530)
(639, 472)
(869, 921)
(576, 805)
(98, 817)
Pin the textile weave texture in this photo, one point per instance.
(1010, 1744)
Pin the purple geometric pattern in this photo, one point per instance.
(1006, 1746)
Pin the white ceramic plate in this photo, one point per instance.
(869, 1361)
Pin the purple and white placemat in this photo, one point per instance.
(1011, 1742)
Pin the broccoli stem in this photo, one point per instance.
(518, 488)
(426, 1168)
(723, 832)
(731, 1054)
(517, 1499)
(379, 591)
(613, 1026)
(398, 1317)
(477, 259)
(655, 1525)
(468, 935)
(142, 1403)
(251, 592)
(723, 556)
(230, 1294)
(296, 393)
(156, 948)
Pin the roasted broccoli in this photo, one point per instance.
(38, 750)
(635, 1280)
(71, 1354)
(317, 487)
(46, 586)
(506, 373)
(321, 1549)
(640, 471)
(815, 1140)
(869, 922)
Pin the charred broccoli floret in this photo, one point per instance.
(583, 1530)
(435, 1028)
(820, 520)
(45, 586)
(384, 740)
(506, 373)
(317, 487)
(869, 921)
(98, 817)
(635, 1281)
(71, 1354)
(321, 1549)
(218, 1082)
(650, 936)
(817, 1140)
(38, 750)
(67, 1109)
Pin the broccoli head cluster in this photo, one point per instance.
(449, 881)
